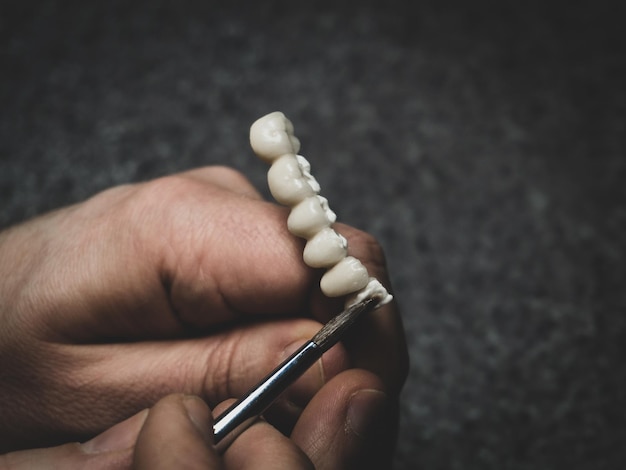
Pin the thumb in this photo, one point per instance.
(178, 433)
(111, 449)
(175, 433)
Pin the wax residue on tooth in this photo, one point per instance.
(373, 290)
(292, 184)
(305, 168)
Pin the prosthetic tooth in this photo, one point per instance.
(292, 184)
(310, 216)
(346, 277)
(325, 249)
(287, 183)
(271, 137)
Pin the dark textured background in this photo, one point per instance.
(481, 141)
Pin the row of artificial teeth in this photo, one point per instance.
(292, 184)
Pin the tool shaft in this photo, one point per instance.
(242, 413)
(262, 396)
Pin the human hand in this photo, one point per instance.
(190, 284)
(176, 433)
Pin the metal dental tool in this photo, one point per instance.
(243, 412)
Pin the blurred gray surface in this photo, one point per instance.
(482, 142)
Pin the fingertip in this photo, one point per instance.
(176, 434)
(350, 423)
(263, 446)
(121, 436)
(200, 416)
(367, 409)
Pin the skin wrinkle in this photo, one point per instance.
(171, 266)
(317, 445)
(18, 397)
(15, 283)
(222, 377)
(174, 368)
(55, 404)
(80, 264)
(167, 277)
(228, 219)
(112, 401)
(203, 282)
(21, 293)
(89, 383)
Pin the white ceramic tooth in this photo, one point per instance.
(271, 137)
(292, 184)
(346, 277)
(310, 216)
(287, 183)
(325, 249)
(373, 290)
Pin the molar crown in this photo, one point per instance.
(272, 137)
(287, 183)
(292, 184)
(325, 249)
(347, 276)
(310, 216)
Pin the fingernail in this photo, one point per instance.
(366, 416)
(121, 436)
(200, 416)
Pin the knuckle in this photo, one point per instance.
(221, 370)
(227, 175)
(368, 249)
(165, 189)
(170, 199)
